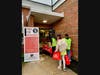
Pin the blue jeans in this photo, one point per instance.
(69, 54)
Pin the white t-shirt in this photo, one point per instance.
(61, 45)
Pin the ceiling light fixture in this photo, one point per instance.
(44, 21)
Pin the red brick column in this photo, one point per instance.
(31, 19)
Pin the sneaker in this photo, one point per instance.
(59, 67)
(64, 69)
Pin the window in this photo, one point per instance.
(54, 1)
(47, 2)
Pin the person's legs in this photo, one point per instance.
(69, 54)
(53, 49)
(64, 64)
(60, 64)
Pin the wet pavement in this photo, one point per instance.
(45, 66)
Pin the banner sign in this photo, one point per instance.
(31, 44)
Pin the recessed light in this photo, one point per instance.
(44, 21)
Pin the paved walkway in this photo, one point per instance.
(45, 66)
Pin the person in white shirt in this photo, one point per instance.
(61, 47)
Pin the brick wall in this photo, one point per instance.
(69, 24)
(31, 20)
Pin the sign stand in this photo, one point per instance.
(31, 44)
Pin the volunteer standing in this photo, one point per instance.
(68, 41)
(53, 43)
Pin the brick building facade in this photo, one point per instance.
(69, 24)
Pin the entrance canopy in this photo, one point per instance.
(42, 13)
(50, 17)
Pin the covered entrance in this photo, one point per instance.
(40, 15)
(41, 19)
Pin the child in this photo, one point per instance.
(61, 47)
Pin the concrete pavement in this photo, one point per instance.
(45, 66)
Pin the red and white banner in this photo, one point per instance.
(31, 44)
